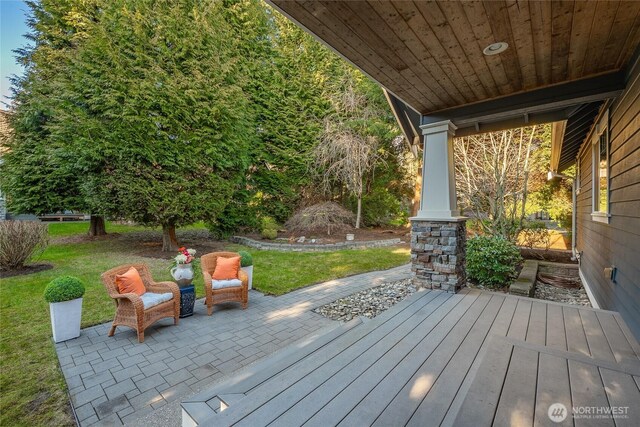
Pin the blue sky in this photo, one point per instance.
(12, 28)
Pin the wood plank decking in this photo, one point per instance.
(470, 359)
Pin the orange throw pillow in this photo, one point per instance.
(226, 268)
(130, 282)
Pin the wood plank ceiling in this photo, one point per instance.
(429, 53)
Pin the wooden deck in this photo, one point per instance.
(470, 359)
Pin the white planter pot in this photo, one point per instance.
(65, 319)
(183, 274)
(249, 272)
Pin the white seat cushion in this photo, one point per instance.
(150, 299)
(219, 284)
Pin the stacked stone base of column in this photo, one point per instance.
(438, 254)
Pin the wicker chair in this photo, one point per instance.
(129, 308)
(216, 296)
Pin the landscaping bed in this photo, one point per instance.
(360, 235)
(368, 303)
(569, 288)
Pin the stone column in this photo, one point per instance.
(438, 254)
(438, 232)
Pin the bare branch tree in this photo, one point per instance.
(346, 154)
(492, 172)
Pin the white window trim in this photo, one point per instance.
(601, 127)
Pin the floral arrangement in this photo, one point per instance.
(186, 256)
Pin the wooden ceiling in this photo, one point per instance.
(429, 53)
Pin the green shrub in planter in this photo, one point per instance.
(492, 260)
(246, 259)
(64, 288)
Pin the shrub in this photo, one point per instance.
(63, 288)
(324, 217)
(21, 241)
(269, 228)
(534, 234)
(246, 259)
(268, 222)
(380, 208)
(269, 233)
(492, 260)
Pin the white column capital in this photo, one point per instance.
(437, 127)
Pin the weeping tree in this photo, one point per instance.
(493, 172)
(154, 103)
(349, 144)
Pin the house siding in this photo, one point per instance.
(618, 242)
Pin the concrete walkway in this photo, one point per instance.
(115, 381)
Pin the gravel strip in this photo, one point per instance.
(368, 303)
(568, 296)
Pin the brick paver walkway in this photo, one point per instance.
(117, 380)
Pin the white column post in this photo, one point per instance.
(438, 232)
(438, 197)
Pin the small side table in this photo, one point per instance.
(187, 300)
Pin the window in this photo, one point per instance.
(601, 170)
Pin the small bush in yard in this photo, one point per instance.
(20, 241)
(324, 217)
(492, 260)
(534, 234)
(63, 288)
(269, 228)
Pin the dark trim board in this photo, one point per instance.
(578, 126)
(549, 104)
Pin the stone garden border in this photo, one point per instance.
(327, 247)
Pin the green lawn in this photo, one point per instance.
(63, 229)
(281, 272)
(32, 388)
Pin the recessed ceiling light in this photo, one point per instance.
(495, 48)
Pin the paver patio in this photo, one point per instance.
(117, 380)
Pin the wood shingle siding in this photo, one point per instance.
(618, 242)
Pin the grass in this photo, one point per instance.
(303, 269)
(64, 229)
(32, 389)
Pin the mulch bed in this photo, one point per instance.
(362, 235)
(149, 243)
(29, 269)
(83, 238)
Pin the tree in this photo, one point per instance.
(293, 82)
(349, 145)
(153, 104)
(551, 196)
(493, 177)
(38, 173)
